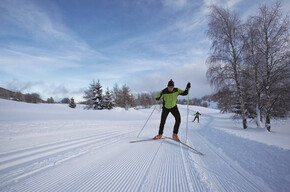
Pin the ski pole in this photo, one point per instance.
(149, 116)
(187, 117)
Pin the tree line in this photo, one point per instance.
(249, 63)
(18, 96)
(117, 97)
(203, 102)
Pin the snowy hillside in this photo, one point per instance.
(51, 147)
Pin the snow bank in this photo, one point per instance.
(19, 111)
(279, 135)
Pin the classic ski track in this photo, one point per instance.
(16, 155)
(135, 172)
(193, 181)
(96, 181)
(18, 151)
(221, 182)
(168, 170)
(31, 162)
(227, 181)
(215, 179)
(50, 183)
(236, 173)
(28, 158)
(149, 168)
(132, 174)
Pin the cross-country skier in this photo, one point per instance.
(170, 95)
(197, 114)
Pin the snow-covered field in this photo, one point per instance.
(50, 147)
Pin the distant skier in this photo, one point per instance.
(170, 95)
(197, 114)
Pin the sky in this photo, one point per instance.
(58, 47)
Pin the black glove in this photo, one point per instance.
(188, 85)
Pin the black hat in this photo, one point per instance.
(171, 83)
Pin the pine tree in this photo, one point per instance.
(94, 97)
(98, 97)
(108, 103)
(72, 103)
(50, 100)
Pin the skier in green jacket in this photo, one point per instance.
(170, 95)
(197, 114)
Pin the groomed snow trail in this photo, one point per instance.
(106, 161)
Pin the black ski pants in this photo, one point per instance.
(196, 118)
(175, 112)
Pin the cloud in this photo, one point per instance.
(60, 91)
(56, 90)
(174, 4)
(177, 51)
(225, 3)
(187, 72)
(49, 40)
(33, 19)
(20, 86)
(15, 60)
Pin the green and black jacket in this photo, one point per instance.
(170, 98)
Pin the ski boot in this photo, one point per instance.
(158, 136)
(175, 137)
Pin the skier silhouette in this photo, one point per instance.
(197, 114)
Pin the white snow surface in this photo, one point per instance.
(51, 147)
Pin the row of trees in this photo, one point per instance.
(119, 97)
(249, 63)
(29, 97)
(195, 101)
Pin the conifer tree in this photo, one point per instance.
(72, 103)
(108, 103)
(98, 96)
(94, 97)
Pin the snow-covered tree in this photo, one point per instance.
(226, 33)
(72, 103)
(108, 100)
(273, 37)
(94, 97)
(251, 61)
(253, 71)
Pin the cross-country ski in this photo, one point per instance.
(142, 140)
(184, 144)
(152, 139)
